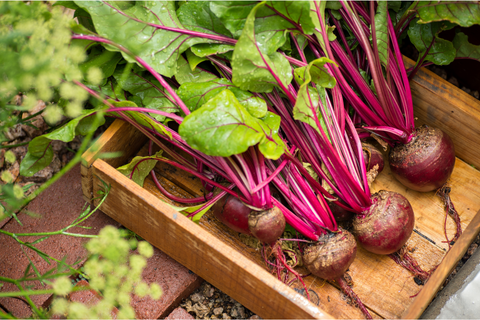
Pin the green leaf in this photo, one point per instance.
(40, 152)
(194, 95)
(187, 210)
(105, 60)
(463, 13)
(109, 91)
(223, 127)
(139, 117)
(381, 30)
(251, 61)
(194, 60)
(159, 48)
(306, 108)
(442, 52)
(317, 72)
(272, 147)
(207, 49)
(139, 168)
(269, 26)
(147, 91)
(197, 16)
(185, 74)
(464, 48)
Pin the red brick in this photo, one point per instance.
(57, 207)
(179, 313)
(88, 297)
(176, 281)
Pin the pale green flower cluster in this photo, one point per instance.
(38, 56)
(114, 272)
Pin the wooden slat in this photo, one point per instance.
(191, 245)
(440, 104)
(444, 269)
(119, 137)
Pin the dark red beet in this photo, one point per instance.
(426, 162)
(232, 213)
(387, 225)
(338, 212)
(267, 226)
(331, 255)
(372, 156)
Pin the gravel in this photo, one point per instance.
(208, 302)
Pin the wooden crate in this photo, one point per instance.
(216, 254)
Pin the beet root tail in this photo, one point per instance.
(349, 292)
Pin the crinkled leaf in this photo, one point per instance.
(222, 127)
(197, 16)
(196, 94)
(297, 12)
(269, 26)
(139, 117)
(159, 48)
(272, 146)
(314, 13)
(381, 30)
(317, 73)
(252, 67)
(40, 152)
(139, 168)
(147, 91)
(185, 74)
(441, 52)
(463, 13)
(464, 48)
(306, 108)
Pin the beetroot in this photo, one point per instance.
(340, 213)
(331, 255)
(426, 162)
(268, 225)
(232, 213)
(386, 226)
(372, 156)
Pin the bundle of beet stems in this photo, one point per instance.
(255, 99)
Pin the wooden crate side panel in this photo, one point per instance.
(119, 137)
(200, 251)
(440, 104)
(433, 285)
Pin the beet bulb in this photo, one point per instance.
(372, 156)
(268, 225)
(233, 213)
(330, 257)
(386, 226)
(425, 163)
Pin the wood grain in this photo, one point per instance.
(444, 269)
(440, 104)
(191, 245)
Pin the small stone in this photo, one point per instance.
(476, 94)
(254, 317)
(217, 311)
(471, 250)
(234, 313)
(58, 145)
(241, 312)
(226, 316)
(453, 81)
(56, 164)
(466, 90)
(41, 176)
(2, 158)
(15, 170)
(196, 297)
(14, 132)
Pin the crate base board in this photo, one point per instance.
(382, 285)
